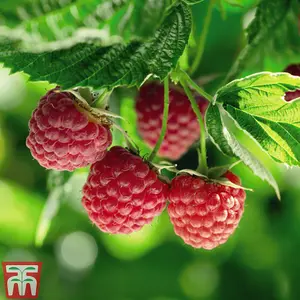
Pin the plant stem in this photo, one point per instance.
(197, 88)
(203, 168)
(203, 37)
(102, 101)
(164, 120)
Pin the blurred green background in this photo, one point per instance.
(259, 262)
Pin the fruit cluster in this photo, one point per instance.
(123, 191)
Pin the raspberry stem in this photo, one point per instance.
(164, 120)
(103, 99)
(196, 87)
(202, 168)
(131, 145)
(203, 37)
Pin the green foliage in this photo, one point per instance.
(146, 17)
(192, 2)
(229, 145)
(215, 130)
(269, 15)
(256, 104)
(110, 43)
(107, 67)
(19, 214)
(57, 24)
(16, 11)
(56, 181)
(284, 46)
(235, 2)
(44, 20)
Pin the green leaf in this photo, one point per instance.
(146, 17)
(251, 161)
(79, 20)
(16, 11)
(225, 140)
(215, 130)
(16, 280)
(238, 3)
(28, 280)
(217, 172)
(257, 105)
(284, 46)
(192, 2)
(71, 19)
(269, 15)
(107, 67)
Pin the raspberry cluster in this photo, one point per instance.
(123, 191)
(182, 129)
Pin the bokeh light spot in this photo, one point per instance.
(76, 251)
(12, 89)
(199, 280)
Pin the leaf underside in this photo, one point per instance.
(257, 105)
(229, 145)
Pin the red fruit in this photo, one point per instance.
(205, 214)
(183, 128)
(123, 193)
(294, 70)
(63, 138)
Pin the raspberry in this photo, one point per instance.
(183, 128)
(122, 193)
(63, 138)
(205, 214)
(294, 70)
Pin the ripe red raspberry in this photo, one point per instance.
(122, 193)
(183, 128)
(294, 70)
(205, 214)
(63, 138)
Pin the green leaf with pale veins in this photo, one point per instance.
(257, 105)
(108, 67)
(230, 146)
(251, 161)
(215, 130)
